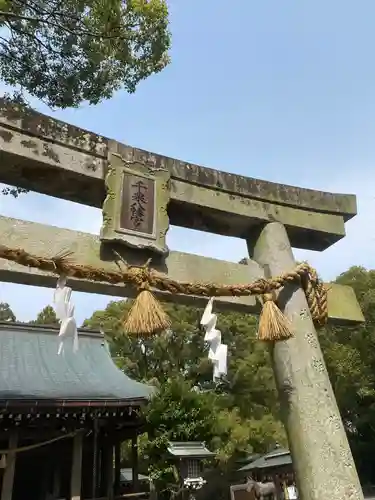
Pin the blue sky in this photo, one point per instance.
(282, 91)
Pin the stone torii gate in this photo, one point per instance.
(57, 159)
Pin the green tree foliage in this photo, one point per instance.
(179, 351)
(239, 415)
(182, 352)
(350, 357)
(180, 413)
(65, 52)
(47, 316)
(245, 413)
(13, 191)
(6, 313)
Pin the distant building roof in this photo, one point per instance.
(248, 458)
(189, 449)
(31, 369)
(275, 458)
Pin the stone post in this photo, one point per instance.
(322, 459)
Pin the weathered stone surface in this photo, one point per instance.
(77, 176)
(50, 241)
(48, 156)
(39, 125)
(45, 127)
(87, 250)
(234, 215)
(135, 206)
(320, 450)
(271, 192)
(49, 168)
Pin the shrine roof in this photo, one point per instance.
(276, 458)
(31, 369)
(189, 449)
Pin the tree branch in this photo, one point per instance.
(48, 48)
(13, 15)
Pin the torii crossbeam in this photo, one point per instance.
(54, 158)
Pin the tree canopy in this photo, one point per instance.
(350, 357)
(47, 316)
(65, 52)
(235, 417)
(6, 313)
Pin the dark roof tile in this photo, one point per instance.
(31, 369)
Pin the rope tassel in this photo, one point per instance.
(146, 315)
(273, 324)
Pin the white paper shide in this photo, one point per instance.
(64, 309)
(218, 352)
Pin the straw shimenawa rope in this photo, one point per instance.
(147, 315)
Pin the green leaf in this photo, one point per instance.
(67, 53)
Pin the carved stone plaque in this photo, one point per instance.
(135, 208)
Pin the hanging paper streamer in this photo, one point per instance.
(105, 343)
(64, 309)
(218, 352)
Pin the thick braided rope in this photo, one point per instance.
(145, 278)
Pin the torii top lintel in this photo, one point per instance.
(45, 155)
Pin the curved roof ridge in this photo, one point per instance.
(31, 369)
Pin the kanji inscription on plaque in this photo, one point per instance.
(135, 208)
(138, 204)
